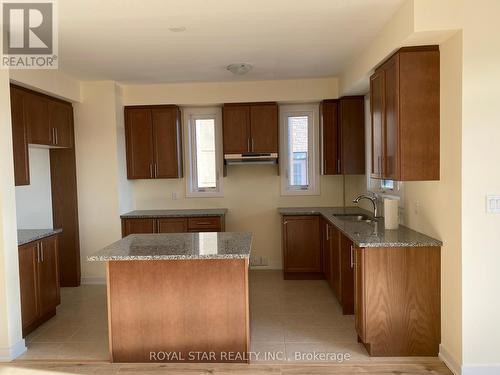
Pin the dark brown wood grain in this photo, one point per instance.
(377, 103)
(139, 143)
(330, 137)
(346, 275)
(37, 119)
(28, 282)
(167, 142)
(19, 137)
(351, 122)
(326, 251)
(301, 245)
(65, 213)
(172, 225)
(405, 105)
(236, 128)
(177, 306)
(39, 282)
(204, 224)
(138, 226)
(335, 262)
(61, 119)
(264, 127)
(400, 301)
(359, 294)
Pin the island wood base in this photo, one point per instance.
(178, 310)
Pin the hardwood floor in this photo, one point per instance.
(429, 366)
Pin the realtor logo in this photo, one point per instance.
(29, 34)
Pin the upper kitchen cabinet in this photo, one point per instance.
(36, 109)
(404, 93)
(19, 138)
(61, 121)
(153, 142)
(343, 136)
(250, 128)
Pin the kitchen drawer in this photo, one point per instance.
(207, 222)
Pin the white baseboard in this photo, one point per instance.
(9, 354)
(93, 280)
(493, 369)
(449, 360)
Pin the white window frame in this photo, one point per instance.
(312, 111)
(190, 115)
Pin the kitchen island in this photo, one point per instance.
(178, 297)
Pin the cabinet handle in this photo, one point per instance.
(252, 144)
(156, 170)
(352, 257)
(327, 232)
(338, 165)
(57, 136)
(41, 251)
(38, 252)
(324, 166)
(248, 144)
(151, 170)
(203, 223)
(53, 138)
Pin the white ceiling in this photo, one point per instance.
(128, 40)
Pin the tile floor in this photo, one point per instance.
(290, 320)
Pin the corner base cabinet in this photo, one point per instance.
(397, 300)
(39, 282)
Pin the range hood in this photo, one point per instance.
(251, 158)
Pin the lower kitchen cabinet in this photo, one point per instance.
(397, 300)
(326, 245)
(346, 275)
(172, 225)
(39, 282)
(335, 262)
(302, 258)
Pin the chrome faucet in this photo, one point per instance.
(371, 199)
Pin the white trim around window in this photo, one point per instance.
(294, 182)
(190, 116)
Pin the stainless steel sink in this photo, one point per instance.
(355, 217)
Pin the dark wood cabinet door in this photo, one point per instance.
(326, 250)
(335, 262)
(138, 226)
(167, 142)
(264, 127)
(172, 225)
(36, 111)
(61, 120)
(301, 239)
(19, 137)
(359, 299)
(377, 94)
(28, 280)
(352, 134)
(236, 129)
(391, 84)
(48, 276)
(139, 143)
(330, 137)
(347, 274)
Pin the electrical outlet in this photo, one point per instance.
(493, 204)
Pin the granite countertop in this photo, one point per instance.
(366, 234)
(25, 236)
(178, 246)
(140, 214)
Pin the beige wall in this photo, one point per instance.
(11, 342)
(480, 176)
(98, 176)
(296, 90)
(440, 201)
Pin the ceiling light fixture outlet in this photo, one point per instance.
(239, 69)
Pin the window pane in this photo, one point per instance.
(298, 151)
(205, 153)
